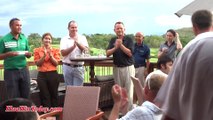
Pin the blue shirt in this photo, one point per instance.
(141, 53)
(148, 111)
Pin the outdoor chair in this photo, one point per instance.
(81, 103)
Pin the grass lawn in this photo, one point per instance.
(154, 52)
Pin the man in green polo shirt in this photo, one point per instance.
(14, 50)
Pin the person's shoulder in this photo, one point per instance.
(65, 37)
(164, 43)
(147, 103)
(81, 36)
(38, 49)
(7, 36)
(113, 38)
(144, 109)
(146, 46)
(56, 49)
(22, 36)
(151, 106)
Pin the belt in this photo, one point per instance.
(137, 66)
(121, 65)
(72, 65)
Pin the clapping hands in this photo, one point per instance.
(165, 49)
(118, 43)
(120, 97)
(28, 54)
(47, 52)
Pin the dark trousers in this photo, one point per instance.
(48, 84)
(17, 82)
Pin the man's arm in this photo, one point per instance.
(110, 51)
(116, 94)
(147, 67)
(162, 52)
(179, 44)
(3, 56)
(147, 62)
(120, 99)
(119, 44)
(65, 52)
(126, 50)
(8, 54)
(115, 112)
(81, 46)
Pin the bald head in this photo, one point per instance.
(139, 37)
(139, 33)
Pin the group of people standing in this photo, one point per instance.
(130, 59)
(14, 50)
(183, 94)
(180, 96)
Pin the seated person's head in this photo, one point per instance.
(153, 84)
(6, 112)
(165, 63)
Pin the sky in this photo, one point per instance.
(152, 17)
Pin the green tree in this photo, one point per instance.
(56, 40)
(186, 34)
(99, 41)
(34, 41)
(153, 41)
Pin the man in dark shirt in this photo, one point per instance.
(121, 47)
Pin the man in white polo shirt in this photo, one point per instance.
(73, 45)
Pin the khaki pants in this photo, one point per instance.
(139, 73)
(122, 78)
